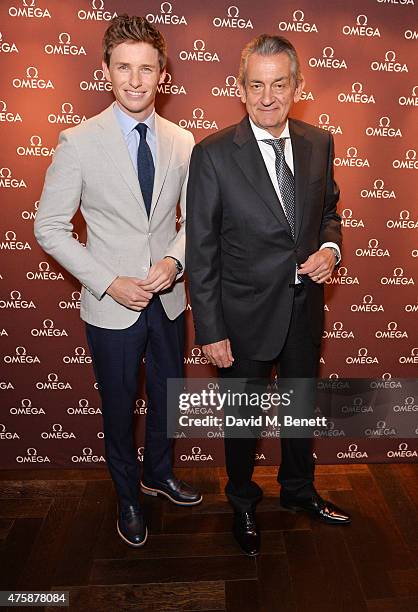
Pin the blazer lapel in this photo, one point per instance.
(249, 159)
(163, 157)
(112, 140)
(302, 149)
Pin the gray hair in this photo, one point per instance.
(270, 45)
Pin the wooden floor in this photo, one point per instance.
(57, 531)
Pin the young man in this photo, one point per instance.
(127, 169)
(263, 235)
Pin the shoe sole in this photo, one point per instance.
(128, 541)
(295, 509)
(155, 492)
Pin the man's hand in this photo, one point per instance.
(319, 266)
(126, 290)
(219, 353)
(160, 276)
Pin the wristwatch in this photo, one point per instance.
(179, 267)
(336, 254)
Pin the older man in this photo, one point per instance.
(262, 237)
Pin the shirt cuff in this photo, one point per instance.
(334, 246)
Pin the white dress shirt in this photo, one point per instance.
(131, 135)
(269, 157)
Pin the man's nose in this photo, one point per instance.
(135, 78)
(267, 97)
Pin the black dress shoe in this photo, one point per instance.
(246, 533)
(321, 509)
(131, 526)
(176, 490)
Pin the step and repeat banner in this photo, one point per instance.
(359, 62)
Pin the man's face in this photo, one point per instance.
(269, 91)
(134, 72)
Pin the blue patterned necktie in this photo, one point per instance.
(146, 169)
(286, 181)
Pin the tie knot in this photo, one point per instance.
(142, 129)
(277, 144)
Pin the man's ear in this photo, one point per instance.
(299, 88)
(106, 71)
(162, 76)
(242, 93)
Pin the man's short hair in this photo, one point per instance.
(125, 28)
(266, 44)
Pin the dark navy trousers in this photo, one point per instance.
(116, 355)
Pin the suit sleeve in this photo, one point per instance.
(177, 247)
(203, 253)
(59, 202)
(331, 220)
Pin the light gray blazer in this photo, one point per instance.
(91, 168)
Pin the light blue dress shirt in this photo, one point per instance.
(131, 135)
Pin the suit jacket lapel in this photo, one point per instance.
(112, 140)
(163, 157)
(302, 149)
(249, 159)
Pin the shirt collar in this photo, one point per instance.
(128, 123)
(261, 134)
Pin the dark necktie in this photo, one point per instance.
(146, 170)
(286, 181)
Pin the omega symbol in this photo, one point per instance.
(199, 45)
(169, 9)
(351, 152)
(301, 15)
(32, 72)
(64, 38)
(390, 56)
(233, 11)
(328, 52)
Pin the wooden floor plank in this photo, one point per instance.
(407, 473)
(242, 596)
(308, 573)
(16, 549)
(5, 526)
(182, 546)
(173, 597)
(341, 582)
(405, 581)
(37, 489)
(398, 501)
(131, 571)
(82, 535)
(398, 604)
(276, 591)
(40, 567)
(56, 474)
(24, 508)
